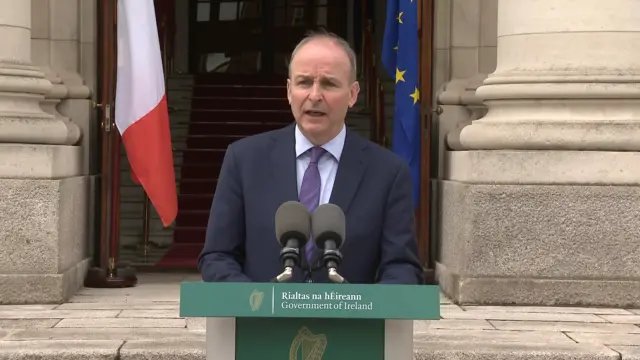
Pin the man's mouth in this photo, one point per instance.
(315, 113)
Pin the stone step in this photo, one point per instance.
(144, 322)
(193, 347)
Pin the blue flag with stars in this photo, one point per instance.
(400, 58)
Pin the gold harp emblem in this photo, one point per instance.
(255, 300)
(307, 346)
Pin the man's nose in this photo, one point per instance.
(315, 94)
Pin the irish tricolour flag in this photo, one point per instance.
(141, 113)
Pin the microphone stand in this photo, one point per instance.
(335, 277)
(286, 275)
(332, 258)
(290, 256)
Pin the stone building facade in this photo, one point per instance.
(536, 188)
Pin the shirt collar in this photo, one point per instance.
(334, 146)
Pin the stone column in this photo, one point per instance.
(43, 200)
(543, 205)
(22, 85)
(62, 40)
(567, 77)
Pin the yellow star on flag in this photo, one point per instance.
(399, 18)
(400, 75)
(415, 96)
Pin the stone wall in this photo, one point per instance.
(47, 147)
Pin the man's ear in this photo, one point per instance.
(289, 90)
(353, 93)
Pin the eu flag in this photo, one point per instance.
(400, 59)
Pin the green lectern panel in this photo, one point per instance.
(309, 339)
(353, 301)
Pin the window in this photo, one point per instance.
(203, 12)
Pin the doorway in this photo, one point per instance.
(265, 35)
(255, 36)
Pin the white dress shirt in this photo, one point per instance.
(327, 165)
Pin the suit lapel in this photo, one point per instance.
(283, 166)
(351, 169)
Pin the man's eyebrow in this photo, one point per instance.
(302, 77)
(330, 77)
(323, 77)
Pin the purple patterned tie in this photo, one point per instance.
(310, 189)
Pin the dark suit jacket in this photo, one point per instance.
(372, 186)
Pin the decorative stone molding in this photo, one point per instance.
(56, 48)
(22, 120)
(557, 85)
(24, 86)
(57, 93)
(76, 88)
(460, 107)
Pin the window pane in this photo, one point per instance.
(236, 10)
(238, 63)
(290, 16)
(290, 3)
(321, 16)
(203, 12)
(297, 16)
(228, 11)
(281, 63)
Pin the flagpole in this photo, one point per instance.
(109, 273)
(115, 204)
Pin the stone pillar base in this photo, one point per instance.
(466, 290)
(42, 288)
(44, 238)
(538, 244)
(28, 161)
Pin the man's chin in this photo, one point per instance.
(315, 123)
(314, 129)
(308, 119)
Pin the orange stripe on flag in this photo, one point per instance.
(148, 145)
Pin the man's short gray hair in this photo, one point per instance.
(342, 43)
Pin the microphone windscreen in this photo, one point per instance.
(292, 220)
(328, 221)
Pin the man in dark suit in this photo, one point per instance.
(314, 161)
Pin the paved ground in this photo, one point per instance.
(143, 323)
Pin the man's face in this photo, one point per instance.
(320, 89)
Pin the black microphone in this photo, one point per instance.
(293, 226)
(328, 226)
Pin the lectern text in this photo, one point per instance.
(329, 300)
